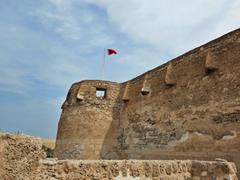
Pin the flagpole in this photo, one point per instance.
(103, 63)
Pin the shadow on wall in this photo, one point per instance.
(110, 146)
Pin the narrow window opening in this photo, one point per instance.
(170, 85)
(101, 93)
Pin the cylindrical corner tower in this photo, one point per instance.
(89, 121)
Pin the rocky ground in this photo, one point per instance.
(22, 157)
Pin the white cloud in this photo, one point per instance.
(28, 56)
(230, 21)
(174, 25)
(51, 44)
(55, 55)
(142, 57)
(156, 30)
(57, 2)
(74, 20)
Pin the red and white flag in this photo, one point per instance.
(111, 52)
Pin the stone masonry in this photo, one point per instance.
(23, 159)
(188, 108)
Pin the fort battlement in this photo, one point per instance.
(187, 108)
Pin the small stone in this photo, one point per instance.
(204, 173)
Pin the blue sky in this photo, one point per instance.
(46, 45)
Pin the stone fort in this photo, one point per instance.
(187, 108)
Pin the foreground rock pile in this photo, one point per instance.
(21, 157)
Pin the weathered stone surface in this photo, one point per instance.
(170, 78)
(23, 159)
(135, 169)
(197, 118)
(211, 62)
(85, 124)
(19, 156)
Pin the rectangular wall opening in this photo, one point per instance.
(101, 93)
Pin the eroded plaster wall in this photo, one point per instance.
(202, 104)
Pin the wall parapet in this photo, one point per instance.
(137, 169)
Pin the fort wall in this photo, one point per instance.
(188, 108)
